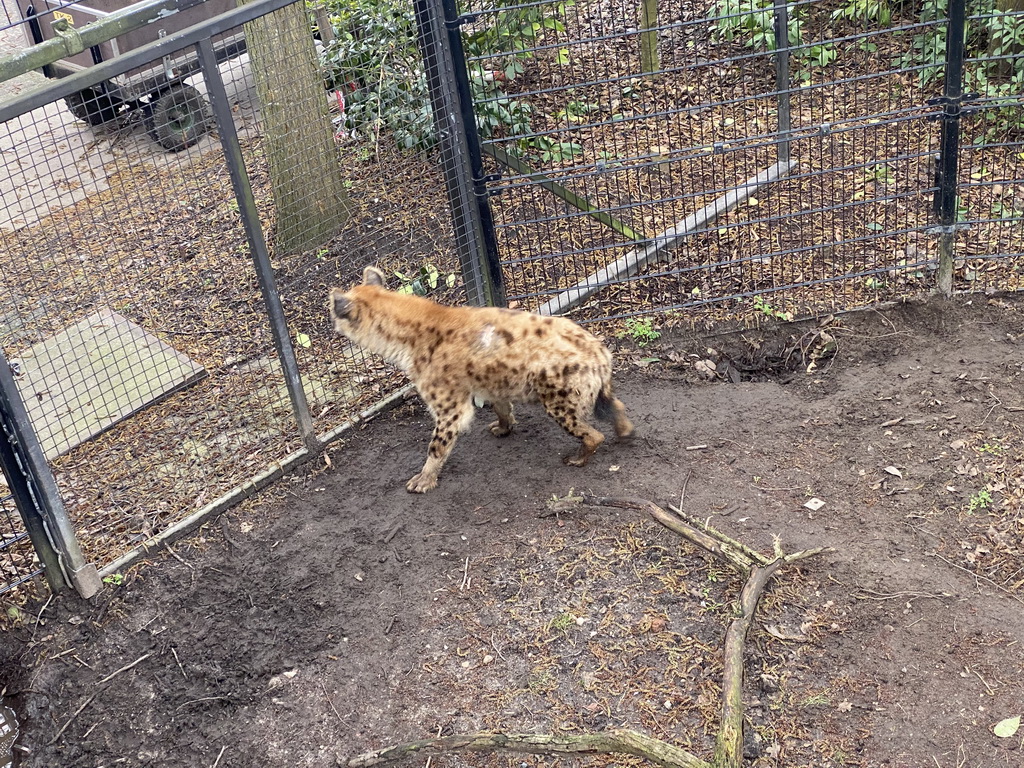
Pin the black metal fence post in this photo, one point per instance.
(21, 492)
(37, 496)
(782, 89)
(451, 100)
(257, 243)
(945, 202)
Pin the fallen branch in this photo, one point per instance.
(757, 570)
(613, 742)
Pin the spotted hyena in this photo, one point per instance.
(455, 355)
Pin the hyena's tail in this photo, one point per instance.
(610, 408)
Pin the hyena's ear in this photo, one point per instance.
(373, 276)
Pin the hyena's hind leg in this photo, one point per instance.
(506, 421)
(450, 418)
(570, 414)
(611, 408)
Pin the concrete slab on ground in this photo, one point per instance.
(88, 377)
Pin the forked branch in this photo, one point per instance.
(757, 571)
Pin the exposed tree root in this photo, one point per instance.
(757, 571)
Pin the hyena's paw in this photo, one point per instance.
(421, 483)
(575, 460)
(500, 430)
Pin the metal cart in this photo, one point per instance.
(177, 114)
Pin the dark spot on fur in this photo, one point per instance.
(539, 330)
(563, 393)
(506, 335)
(570, 369)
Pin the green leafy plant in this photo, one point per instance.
(425, 281)
(876, 11)
(979, 501)
(114, 580)
(994, 42)
(767, 309)
(376, 67)
(563, 622)
(641, 330)
(549, 150)
(752, 22)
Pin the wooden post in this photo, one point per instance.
(649, 36)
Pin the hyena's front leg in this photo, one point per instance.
(449, 419)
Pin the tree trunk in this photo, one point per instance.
(648, 36)
(303, 161)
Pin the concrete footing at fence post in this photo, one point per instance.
(638, 258)
(944, 275)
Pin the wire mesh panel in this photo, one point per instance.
(991, 203)
(137, 325)
(143, 334)
(393, 195)
(18, 561)
(782, 155)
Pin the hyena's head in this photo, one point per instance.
(351, 309)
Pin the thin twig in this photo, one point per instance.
(995, 584)
(39, 616)
(682, 491)
(870, 594)
(179, 662)
(328, 697)
(71, 719)
(125, 668)
(204, 698)
(178, 557)
(219, 756)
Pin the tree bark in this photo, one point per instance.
(648, 36)
(303, 161)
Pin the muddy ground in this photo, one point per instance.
(340, 613)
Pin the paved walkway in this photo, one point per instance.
(49, 159)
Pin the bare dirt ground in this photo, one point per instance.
(345, 614)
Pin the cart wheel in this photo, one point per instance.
(180, 117)
(93, 107)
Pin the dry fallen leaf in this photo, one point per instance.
(778, 632)
(894, 471)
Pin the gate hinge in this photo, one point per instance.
(483, 181)
(69, 36)
(466, 18)
(954, 106)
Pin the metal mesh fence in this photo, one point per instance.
(638, 151)
(136, 320)
(18, 561)
(991, 203)
(724, 161)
